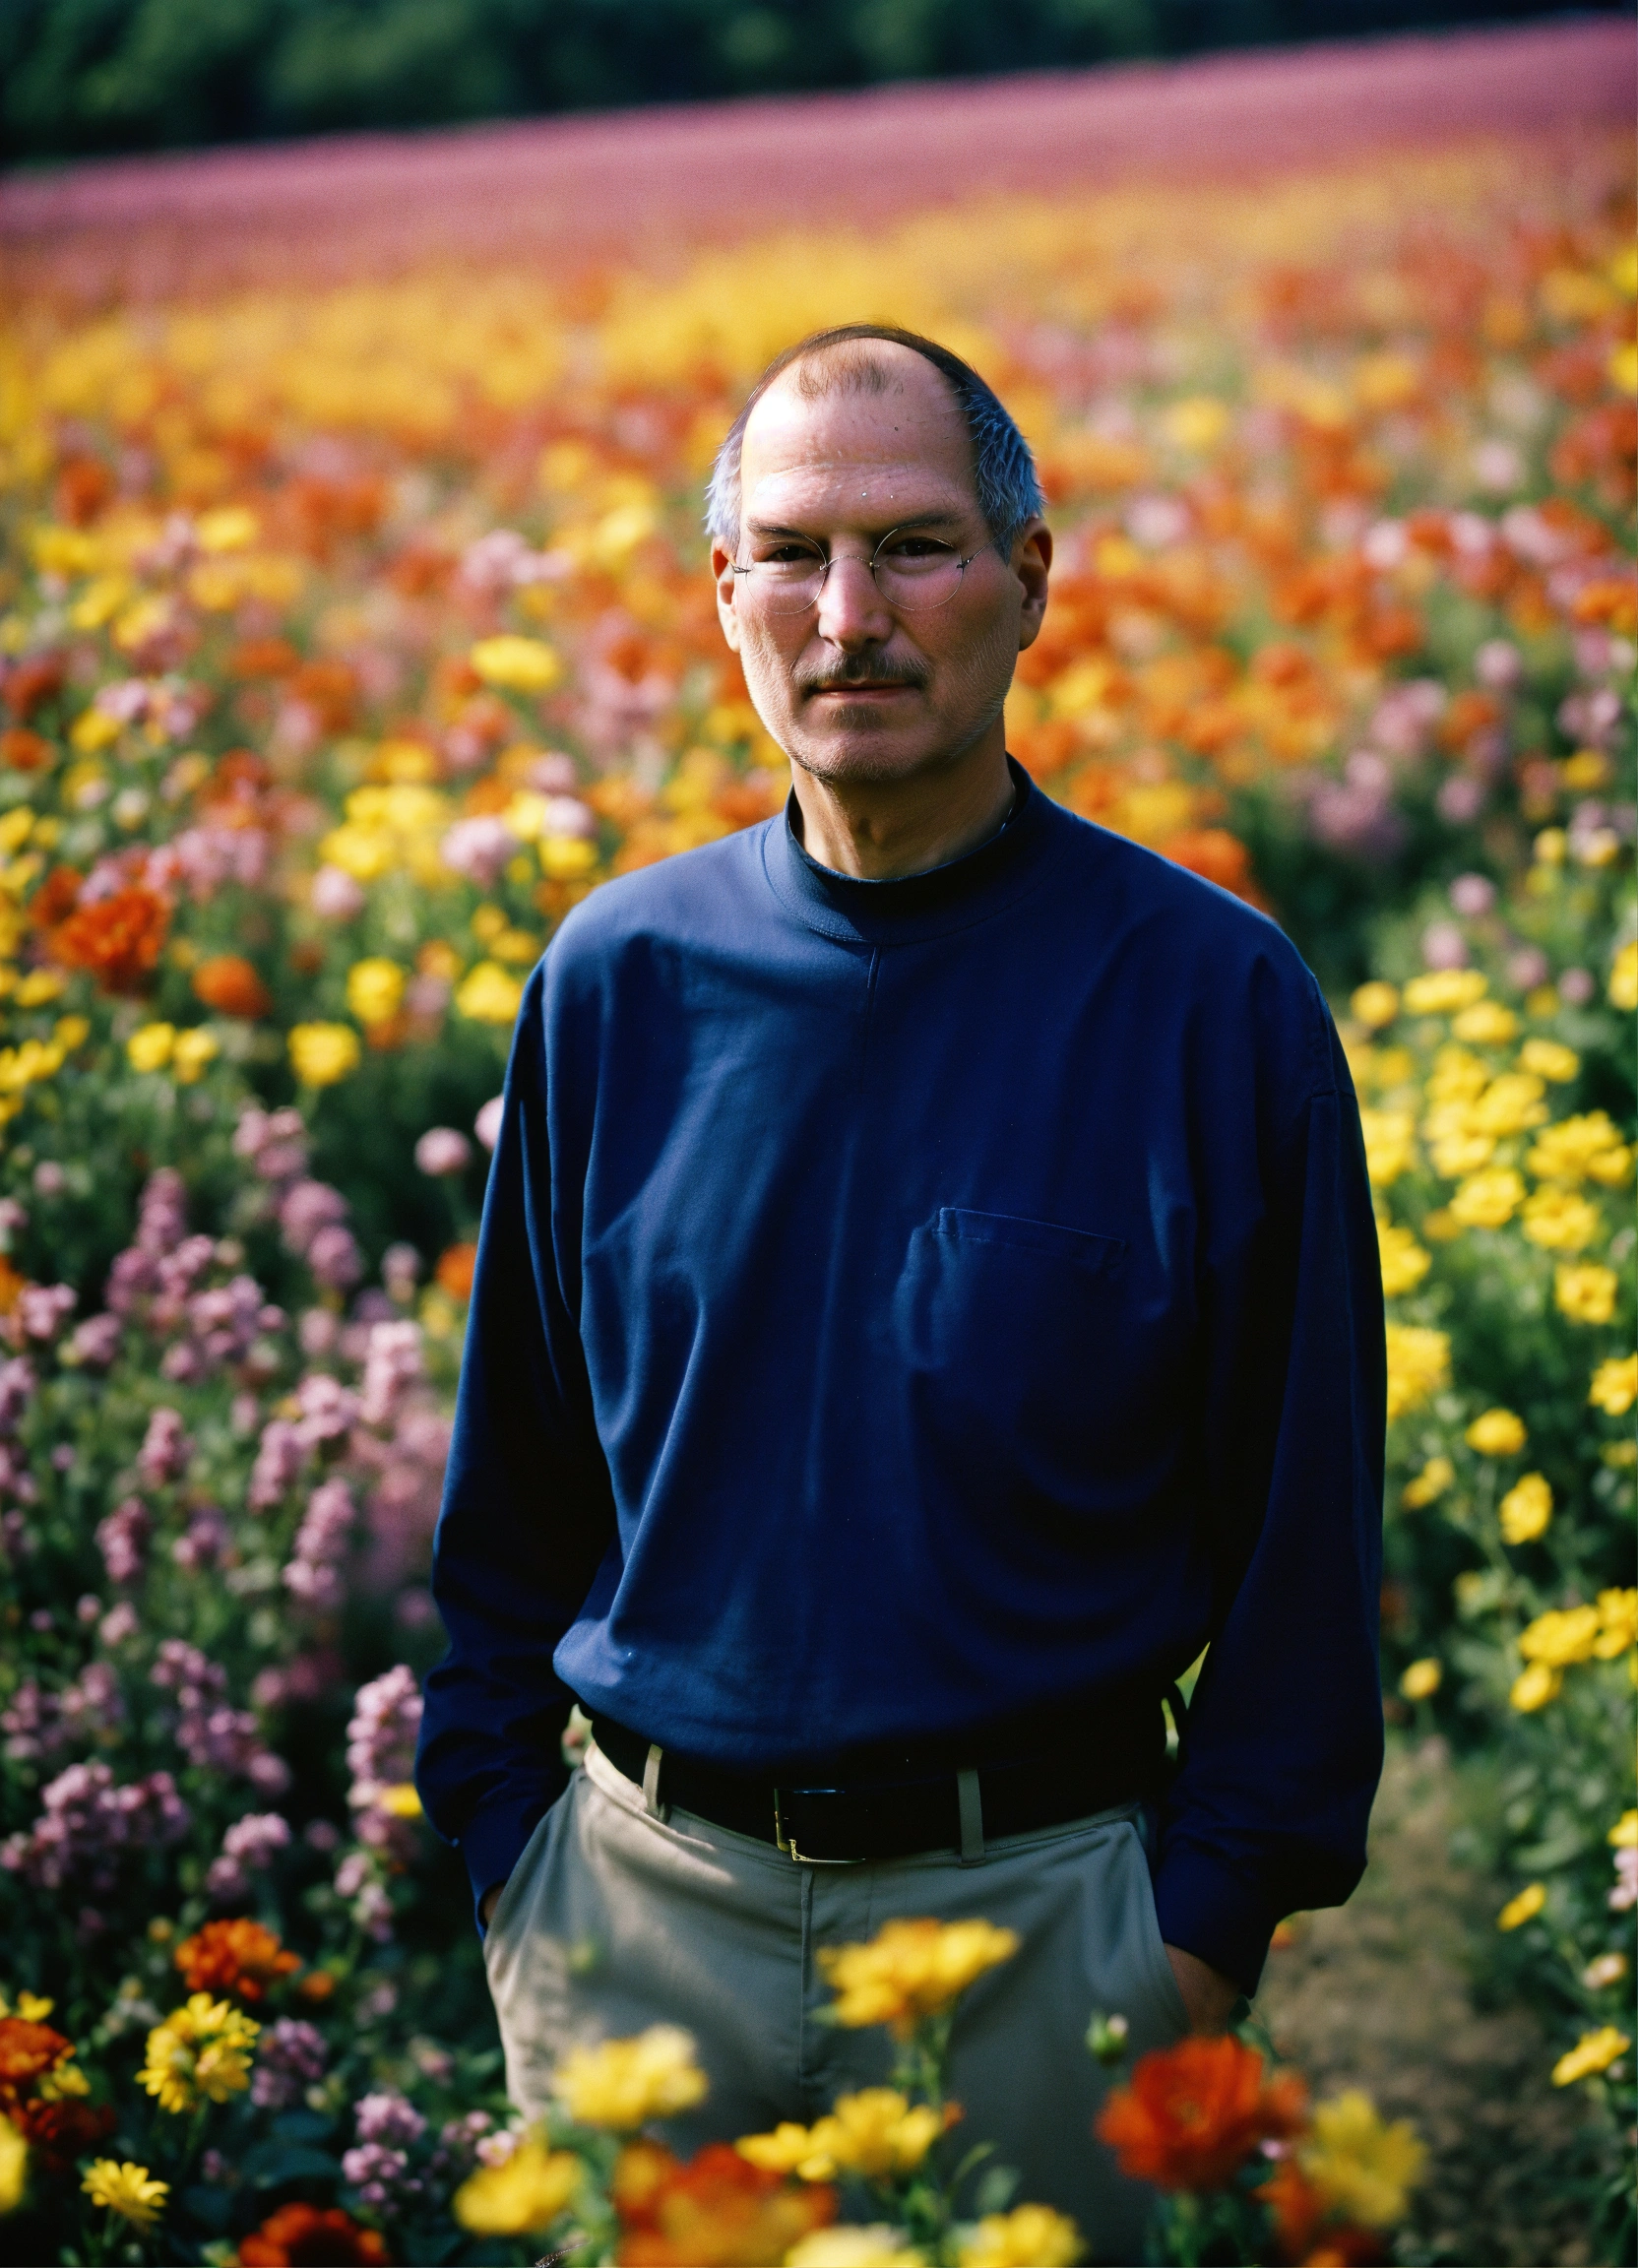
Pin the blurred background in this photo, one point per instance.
(355, 625)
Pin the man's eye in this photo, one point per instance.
(915, 547)
(789, 555)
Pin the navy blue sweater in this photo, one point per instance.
(905, 1304)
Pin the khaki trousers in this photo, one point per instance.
(613, 1919)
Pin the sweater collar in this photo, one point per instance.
(914, 905)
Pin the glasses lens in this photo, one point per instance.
(786, 585)
(917, 575)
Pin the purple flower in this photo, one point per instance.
(379, 2174)
(1473, 895)
(290, 2057)
(334, 1259)
(1577, 986)
(95, 1341)
(17, 1385)
(486, 1125)
(480, 848)
(392, 1364)
(314, 1572)
(280, 1457)
(274, 1142)
(388, 2116)
(1528, 967)
(401, 1268)
(87, 1825)
(49, 1178)
(1443, 946)
(248, 1847)
(122, 1537)
(166, 1449)
(305, 1210)
(335, 896)
(1498, 664)
(441, 1149)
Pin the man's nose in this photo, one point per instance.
(852, 611)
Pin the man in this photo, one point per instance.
(927, 1294)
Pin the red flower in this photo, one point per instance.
(60, 2132)
(29, 684)
(229, 983)
(719, 2211)
(1195, 2113)
(56, 898)
(23, 750)
(311, 2237)
(118, 938)
(239, 1957)
(26, 2052)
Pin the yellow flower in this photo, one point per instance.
(566, 857)
(1593, 2051)
(1489, 1200)
(1623, 979)
(1550, 1059)
(1624, 1836)
(1443, 990)
(910, 1970)
(1523, 1908)
(1615, 1387)
(32, 2007)
(375, 989)
(1525, 1510)
(850, 2247)
(517, 664)
(788, 2149)
(1534, 1687)
(1360, 2164)
(1421, 1681)
(1418, 1365)
(1497, 1433)
(526, 2193)
(1404, 1261)
(1487, 1024)
(1561, 1222)
(400, 1801)
(231, 528)
(1587, 1145)
(1430, 1483)
(194, 1049)
(624, 2082)
(1586, 1291)
(1028, 2236)
(201, 2052)
(1388, 1147)
(323, 1054)
(1375, 1004)
(364, 853)
(1619, 1623)
(14, 2166)
(1563, 1635)
(149, 1046)
(490, 994)
(125, 2189)
(876, 2133)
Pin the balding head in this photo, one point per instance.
(873, 361)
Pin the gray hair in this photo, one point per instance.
(1003, 469)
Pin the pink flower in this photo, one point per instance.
(335, 896)
(441, 1149)
(480, 849)
(486, 1125)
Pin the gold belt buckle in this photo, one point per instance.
(787, 1843)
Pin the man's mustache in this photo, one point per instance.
(863, 669)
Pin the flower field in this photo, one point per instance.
(350, 635)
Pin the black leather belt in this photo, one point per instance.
(897, 1817)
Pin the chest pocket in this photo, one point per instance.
(1017, 1336)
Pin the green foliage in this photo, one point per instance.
(97, 75)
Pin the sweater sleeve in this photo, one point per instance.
(1283, 1750)
(526, 1513)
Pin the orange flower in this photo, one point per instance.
(56, 898)
(23, 750)
(240, 1957)
(312, 2236)
(229, 983)
(118, 938)
(454, 1272)
(26, 2052)
(719, 2211)
(1194, 2113)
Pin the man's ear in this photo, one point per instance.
(1032, 563)
(722, 567)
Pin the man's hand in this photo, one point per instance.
(1207, 1995)
(492, 1899)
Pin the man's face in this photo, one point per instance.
(856, 688)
